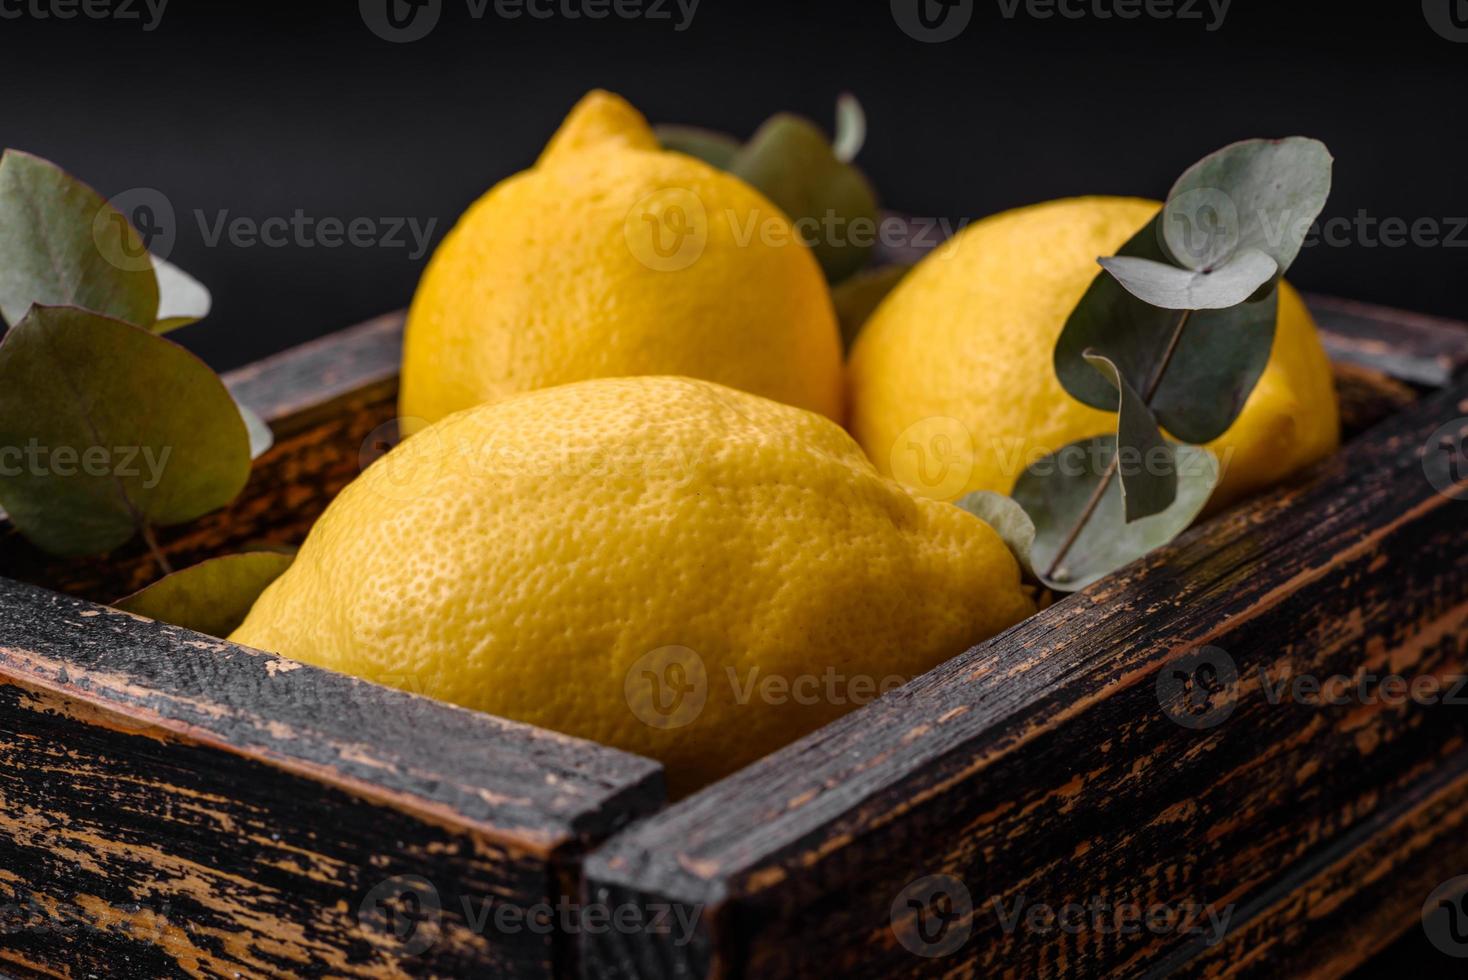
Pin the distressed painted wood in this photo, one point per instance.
(174, 805)
(1424, 350)
(1366, 396)
(1059, 763)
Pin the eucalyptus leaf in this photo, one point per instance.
(712, 147)
(62, 244)
(857, 297)
(1147, 470)
(1009, 521)
(851, 128)
(1054, 492)
(1172, 288)
(182, 299)
(1255, 194)
(831, 204)
(261, 435)
(212, 597)
(106, 428)
(1218, 360)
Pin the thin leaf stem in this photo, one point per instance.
(1153, 384)
(152, 542)
(1070, 539)
(1172, 345)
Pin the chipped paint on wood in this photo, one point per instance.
(136, 776)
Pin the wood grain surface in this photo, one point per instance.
(192, 807)
(1424, 350)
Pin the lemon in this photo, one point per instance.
(660, 564)
(614, 258)
(952, 384)
(600, 121)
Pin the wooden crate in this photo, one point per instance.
(173, 805)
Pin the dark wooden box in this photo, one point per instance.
(174, 805)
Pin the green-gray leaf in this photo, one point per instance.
(1054, 492)
(62, 244)
(851, 128)
(1147, 470)
(212, 597)
(182, 299)
(857, 297)
(830, 203)
(1255, 194)
(714, 148)
(261, 435)
(1172, 288)
(1009, 521)
(106, 427)
(1222, 352)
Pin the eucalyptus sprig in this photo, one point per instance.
(1172, 336)
(108, 430)
(809, 177)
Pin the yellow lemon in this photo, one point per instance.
(614, 258)
(951, 379)
(661, 564)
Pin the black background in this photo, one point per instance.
(265, 109)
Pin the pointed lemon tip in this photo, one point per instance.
(600, 119)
